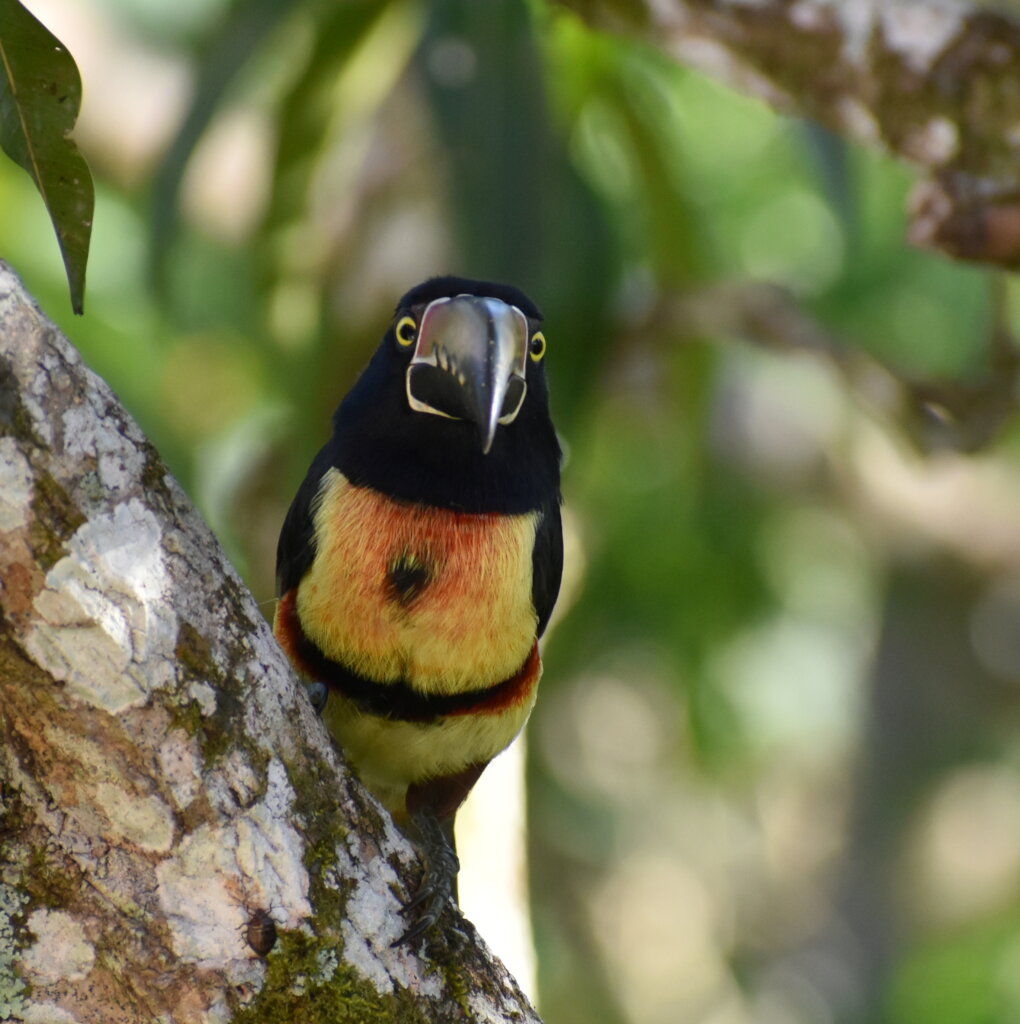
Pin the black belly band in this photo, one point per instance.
(398, 701)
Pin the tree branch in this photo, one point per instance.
(164, 784)
(935, 83)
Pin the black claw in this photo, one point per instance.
(318, 694)
(438, 883)
(419, 899)
(417, 930)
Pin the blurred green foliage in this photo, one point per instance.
(741, 507)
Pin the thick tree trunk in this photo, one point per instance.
(168, 799)
(934, 81)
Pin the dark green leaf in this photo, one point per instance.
(308, 108)
(238, 37)
(40, 95)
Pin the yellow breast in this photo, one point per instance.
(438, 598)
(389, 756)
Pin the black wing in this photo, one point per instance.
(547, 562)
(296, 547)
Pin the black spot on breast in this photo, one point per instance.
(407, 577)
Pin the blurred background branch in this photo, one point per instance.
(937, 84)
(774, 775)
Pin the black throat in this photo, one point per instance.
(379, 442)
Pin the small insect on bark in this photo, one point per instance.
(261, 932)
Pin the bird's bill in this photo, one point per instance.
(469, 362)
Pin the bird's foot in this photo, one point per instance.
(318, 694)
(439, 882)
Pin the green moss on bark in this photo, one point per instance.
(56, 518)
(13, 938)
(307, 980)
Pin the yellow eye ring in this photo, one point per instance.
(405, 331)
(537, 347)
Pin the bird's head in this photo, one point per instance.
(470, 348)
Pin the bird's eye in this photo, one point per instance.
(405, 331)
(537, 346)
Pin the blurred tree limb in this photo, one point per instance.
(164, 784)
(935, 83)
(964, 415)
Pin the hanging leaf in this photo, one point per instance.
(40, 96)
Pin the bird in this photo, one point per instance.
(421, 558)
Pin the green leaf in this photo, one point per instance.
(40, 96)
(309, 108)
(230, 47)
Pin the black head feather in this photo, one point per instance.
(380, 442)
(448, 285)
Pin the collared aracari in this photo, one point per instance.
(421, 558)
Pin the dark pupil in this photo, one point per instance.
(536, 345)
